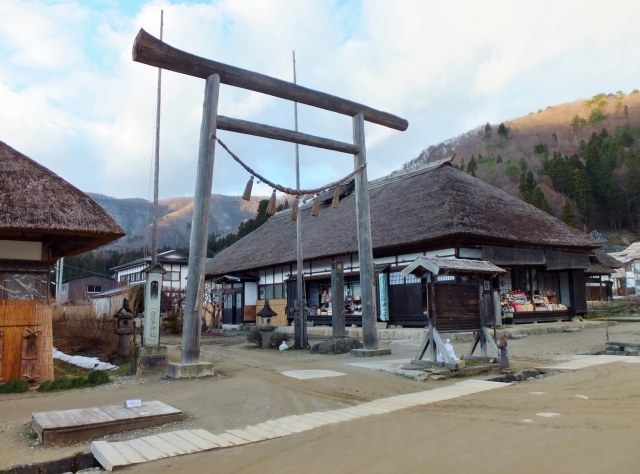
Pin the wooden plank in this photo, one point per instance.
(1, 342)
(245, 435)
(179, 442)
(162, 445)
(118, 412)
(196, 440)
(155, 408)
(275, 133)
(130, 454)
(217, 440)
(145, 449)
(78, 433)
(263, 434)
(233, 439)
(46, 419)
(279, 424)
(151, 51)
(273, 429)
(108, 456)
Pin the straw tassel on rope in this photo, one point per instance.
(271, 208)
(315, 210)
(294, 209)
(247, 190)
(336, 197)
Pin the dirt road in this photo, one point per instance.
(484, 428)
(479, 434)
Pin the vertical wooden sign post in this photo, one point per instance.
(153, 52)
(337, 298)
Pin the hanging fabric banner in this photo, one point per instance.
(384, 296)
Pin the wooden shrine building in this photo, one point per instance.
(434, 211)
(42, 218)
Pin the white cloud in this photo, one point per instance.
(72, 98)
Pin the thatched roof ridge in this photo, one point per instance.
(35, 200)
(607, 260)
(415, 209)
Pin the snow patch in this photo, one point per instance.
(81, 361)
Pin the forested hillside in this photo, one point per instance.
(579, 161)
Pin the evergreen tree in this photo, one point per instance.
(538, 199)
(499, 159)
(503, 130)
(581, 193)
(487, 130)
(472, 166)
(567, 213)
(462, 164)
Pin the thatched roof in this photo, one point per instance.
(607, 260)
(601, 263)
(416, 210)
(37, 204)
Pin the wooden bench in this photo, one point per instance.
(65, 426)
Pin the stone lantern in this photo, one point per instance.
(124, 328)
(265, 323)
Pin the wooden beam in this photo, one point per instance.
(365, 248)
(200, 224)
(275, 133)
(151, 51)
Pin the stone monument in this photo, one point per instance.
(152, 357)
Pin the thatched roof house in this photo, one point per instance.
(42, 218)
(425, 207)
(435, 211)
(38, 205)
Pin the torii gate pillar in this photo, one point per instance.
(365, 249)
(190, 364)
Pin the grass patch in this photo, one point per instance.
(620, 308)
(96, 377)
(65, 370)
(14, 386)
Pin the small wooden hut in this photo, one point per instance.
(42, 218)
(457, 296)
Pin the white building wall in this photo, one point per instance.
(250, 293)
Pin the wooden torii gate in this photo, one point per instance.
(151, 51)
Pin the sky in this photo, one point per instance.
(72, 99)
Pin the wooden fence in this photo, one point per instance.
(26, 341)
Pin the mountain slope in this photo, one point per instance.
(570, 136)
(135, 216)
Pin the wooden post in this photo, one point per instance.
(337, 298)
(365, 250)
(156, 174)
(200, 224)
(301, 340)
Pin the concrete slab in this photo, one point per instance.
(311, 374)
(370, 352)
(180, 370)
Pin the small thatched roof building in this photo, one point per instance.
(42, 218)
(36, 204)
(435, 211)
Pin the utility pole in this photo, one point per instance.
(60, 269)
(154, 239)
(300, 324)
